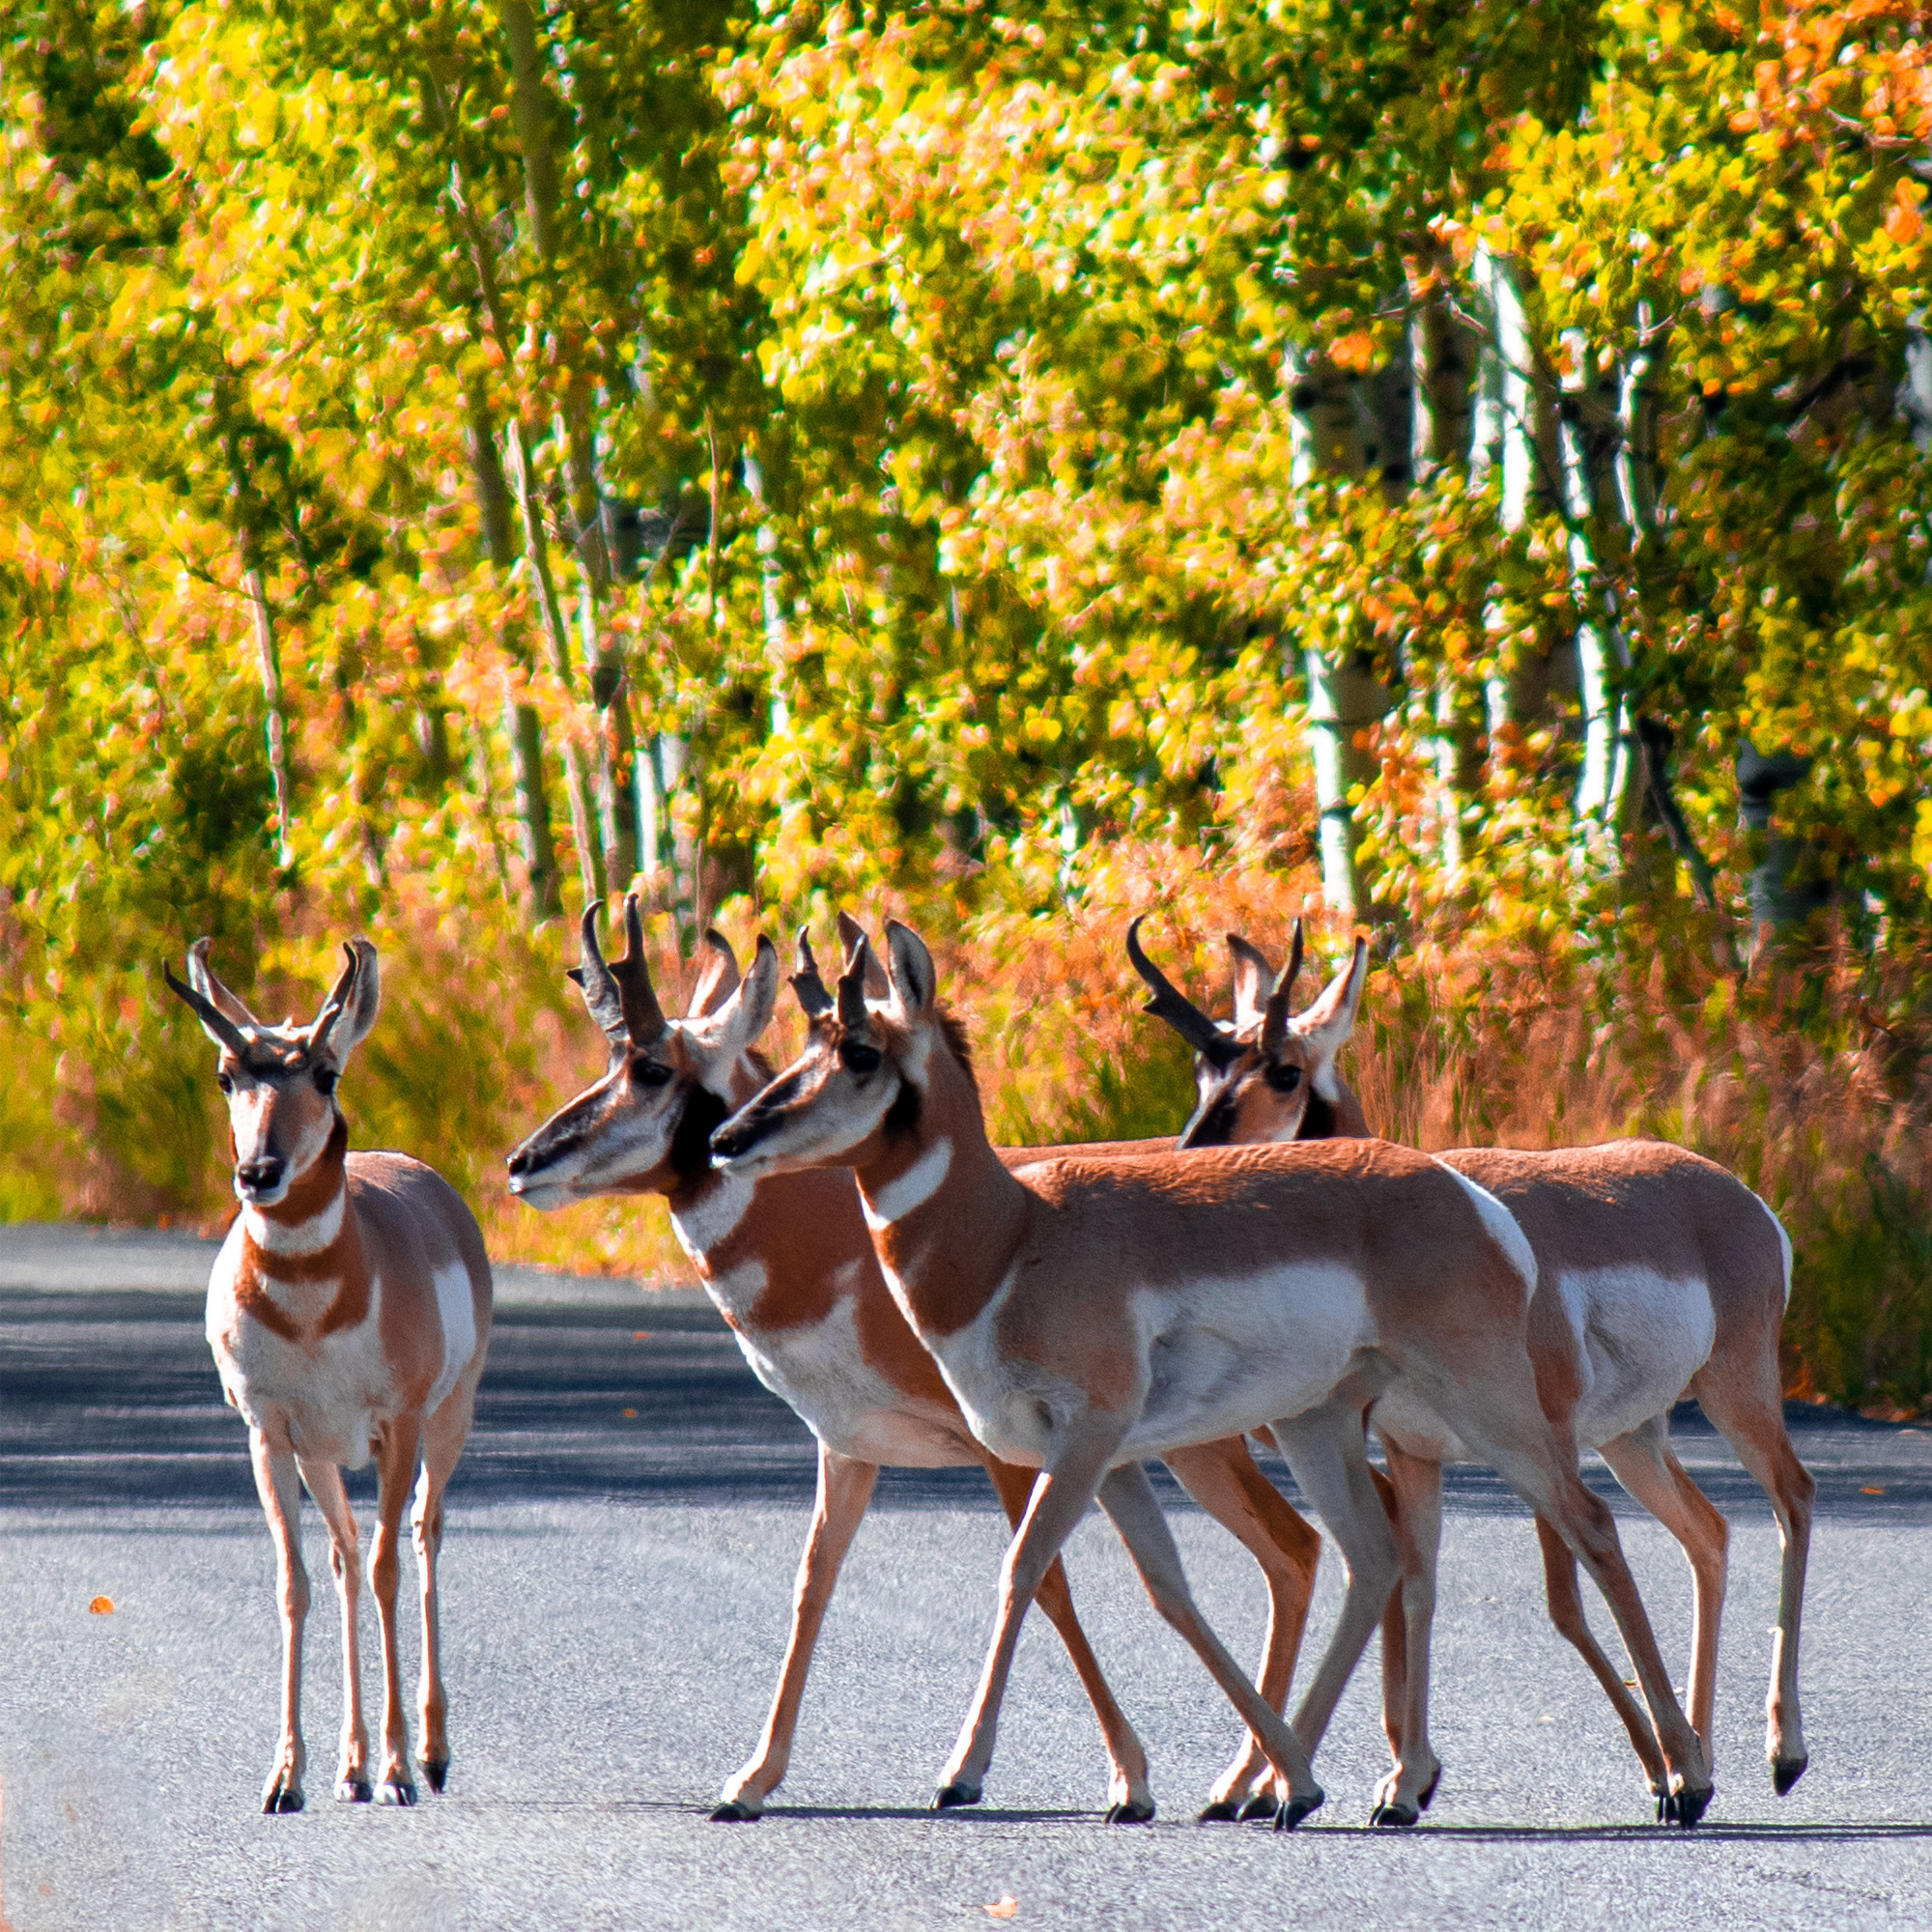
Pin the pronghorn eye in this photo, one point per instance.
(1284, 1079)
(859, 1057)
(649, 1074)
(225, 1083)
(324, 1078)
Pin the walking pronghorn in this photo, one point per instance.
(791, 1267)
(349, 1312)
(1657, 1272)
(1088, 1313)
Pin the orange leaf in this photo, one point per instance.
(1903, 224)
(630, 1411)
(1356, 350)
(1004, 1908)
(102, 1606)
(1870, 1492)
(640, 1334)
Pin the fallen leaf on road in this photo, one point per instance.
(630, 1411)
(102, 1606)
(1004, 1908)
(640, 1334)
(1870, 1492)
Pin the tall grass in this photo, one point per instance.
(1810, 1081)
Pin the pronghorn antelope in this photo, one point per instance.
(349, 1312)
(790, 1265)
(1657, 1272)
(1089, 1313)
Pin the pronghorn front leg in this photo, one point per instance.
(395, 1466)
(844, 1492)
(1060, 1498)
(1227, 1482)
(276, 1482)
(1405, 1792)
(1130, 1802)
(444, 1438)
(1128, 1498)
(324, 1485)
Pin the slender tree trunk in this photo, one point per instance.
(1345, 698)
(521, 727)
(268, 653)
(770, 580)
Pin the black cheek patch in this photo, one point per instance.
(704, 1112)
(902, 1116)
(1216, 1126)
(1318, 1121)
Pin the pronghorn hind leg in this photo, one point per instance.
(1128, 1498)
(324, 1485)
(276, 1482)
(844, 1492)
(1566, 1611)
(1129, 1801)
(1644, 1464)
(1224, 1478)
(395, 1465)
(1748, 1409)
(443, 1436)
(1405, 1792)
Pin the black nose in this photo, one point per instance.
(259, 1175)
(518, 1160)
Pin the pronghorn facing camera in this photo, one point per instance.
(1658, 1273)
(1088, 1313)
(790, 1267)
(349, 1312)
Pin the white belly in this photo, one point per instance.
(1644, 1337)
(819, 1369)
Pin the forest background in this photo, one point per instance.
(1457, 467)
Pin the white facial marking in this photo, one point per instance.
(912, 1188)
(705, 1224)
(457, 1306)
(1501, 1226)
(304, 1238)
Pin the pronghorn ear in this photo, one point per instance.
(718, 977)
(735, 1021)
(351, 1009)
(1328, 1024)
(850, 932)
(211, 989)
(1254, 981)
(910, 973)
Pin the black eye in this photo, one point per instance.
(1284, 1079)
(226, 1085)
(859, 1058)
(649, 1074)
(324, 1078)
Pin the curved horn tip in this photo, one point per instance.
(634, 927)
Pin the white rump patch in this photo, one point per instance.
(1644, 1336)
(1501, 1226)
(456, 1304)
(1783, 1243)
(912, 1188)
(704, 1225)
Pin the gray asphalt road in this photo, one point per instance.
(616, 1589)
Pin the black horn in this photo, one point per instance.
(853, 1015)
(208, 1013)
(1274, 1017)
(600, 992)
(334, 1007)
(643, 1017)
(806, 981)
(1169, 1004)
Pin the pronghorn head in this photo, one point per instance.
(1269, 1074)
(645, 1126)
(874, 1053)
(279, 1081)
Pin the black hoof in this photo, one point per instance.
(393, 1791)
(1260, 1806)
(1667, 1808)
(1428, 1789)
(1690, 1806)
(280, 1800)
(1220, 1812)
(1295, 1809)
(1130, 1813)
(735, 1811)
(950, 1795)
(1785, 1772)
(351, 1791)
(438, 1772)
(1394, 1817)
